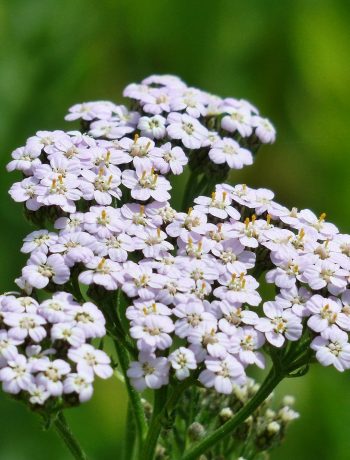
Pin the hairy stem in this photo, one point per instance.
(272, 380)
(134, 396)
(65, 433)
(155, 425)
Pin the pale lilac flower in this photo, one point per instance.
(38, 394)
(90, 319)
(290, 268)
(137, 150)
(42, 269)
(148, 372)
(56, 309)
(186, 224)
(8, 347)
(206, 339)
(325, 229)
(296, 299)
(104, 272)
(219, 205)
(71, 224)
(90, 110)
(325, 314)
(115, 247)
(145, 183)
(26, 191)
(140, 281)
(326, 274)
(39, 240)
(229, 151)
(68, 333)
(103, 221)
(264, 130)
(279, 324)
(238, 287)
(91, 361)
(16, 376)
(62, 192)
(231, 254)
(186, 128)
(23, 325)
(142, 308)
(333, 349)
(250, 341)
(233, 315)
(75, 247)
(24, 159)
(222, 374)
(80, 384)
(169, 159)
(239, 119)
(109, 129)
(51, 374)
(101, 186)
(183, 361)
(191, 100)
(152, 127)
(191, 315)
(152, 242)
(135, 217)
(153, 333)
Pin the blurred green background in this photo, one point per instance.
(290, 58)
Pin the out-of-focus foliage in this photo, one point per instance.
(289, 58)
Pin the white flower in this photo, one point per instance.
(17, 375)
(229, 151)
(148, 372)
(333, 349)
(222, 374)
(183, 361)
(186, 128)
(91, 361)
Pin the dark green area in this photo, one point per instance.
(290, 58)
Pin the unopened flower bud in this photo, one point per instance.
(225, 414)
(196, 431)
(288, 400)
(273, 428)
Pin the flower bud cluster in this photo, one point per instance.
(46, 355)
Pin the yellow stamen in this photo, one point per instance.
(253, 218)
(322, 217)
(246, 222)
(158, 232)
(142, 209)
(60, 179)
(54, 182)
(213, 196)
(268, 219)
(136, 138)
(189, 211)
(103, 214)
(101, 263)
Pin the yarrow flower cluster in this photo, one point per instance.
(46, 351)
(191, 306)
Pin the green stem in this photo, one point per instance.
(134, 396)
(130, 438)
(155, 425)
(272, 380)
(65, 433)
(189, 190)
(160, 410)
